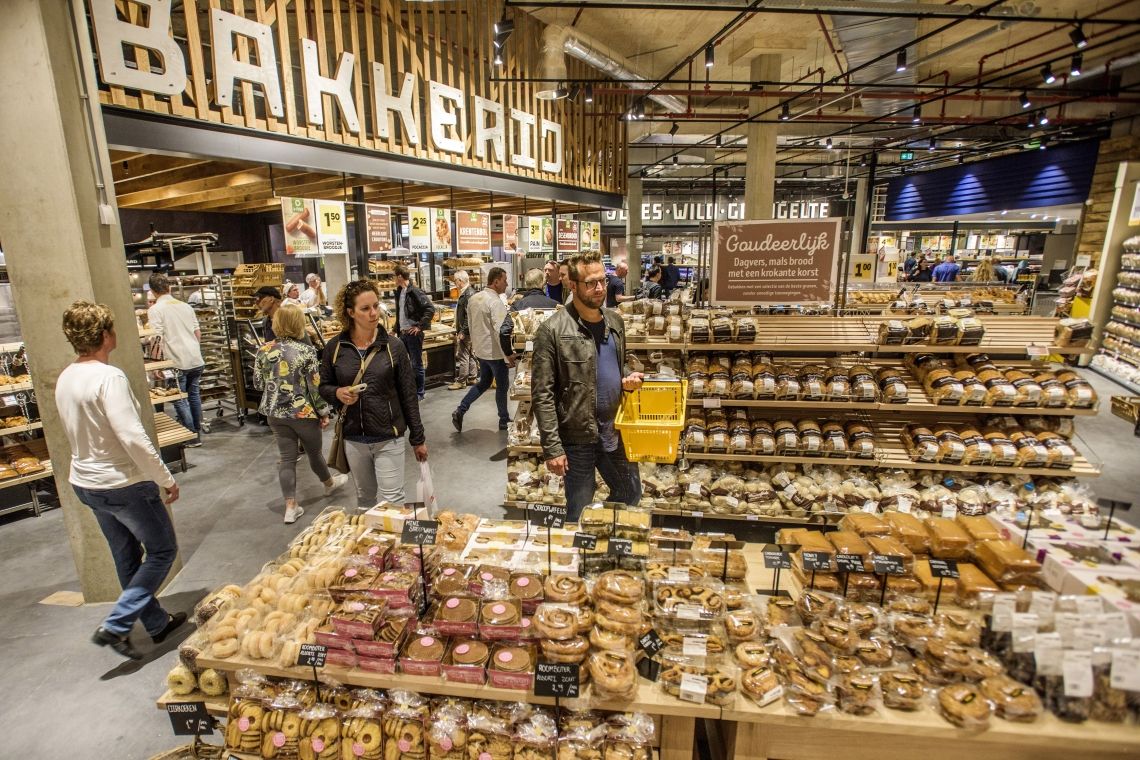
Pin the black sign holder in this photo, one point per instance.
(1028, 527)
(190, 719)
(785, 551)
(889, 566)
(312, 654)
(943, 568)
(1112, 505)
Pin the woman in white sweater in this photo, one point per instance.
(116, 471)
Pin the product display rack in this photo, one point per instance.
(20, 399)
(1120, 338)
(207, 295)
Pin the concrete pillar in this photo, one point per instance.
(633, 233)
(760, 168)
(57, 249)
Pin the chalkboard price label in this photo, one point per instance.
(820, 561)
(556, 679)
(849, 563)
(943, 568)
(620, 547)
(587, 541)
(419, 531)
(888, 565)
(650, 643)
(312, 655)
(189, 718)
(547, 515)
(777, 560)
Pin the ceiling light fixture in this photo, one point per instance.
(709, 57)
(785, 112)
(498, 57)
(673, 129)
(504, 25)
(1023, 98)
(829, 144)
(1075, 65)
(1078, 37)
(916, 115)
(1043, 119)
(1047, 74)
(961, 158)
(718, 141)
(1032, 123)
(589, 93)
(900, 61)
(932, 144)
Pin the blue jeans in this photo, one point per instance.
(490, 369)
(415, 346)
(619, 474)
(188, 411)
(134, 520)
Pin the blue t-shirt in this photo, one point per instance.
(554, 291)
(946, 272)
(608, 382)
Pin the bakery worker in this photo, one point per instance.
(316, 295)
(414, 311)
(116, 471)
(577, 379)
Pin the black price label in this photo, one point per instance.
(556, 679)
(943, 568)
(888, 565)
(777, 560)
(190, 718)
(820, 561)
(587, 541)
(649, 669)
(312, 655)
(651, 643)
(546, 515)
(419, 531)
(621, 547)
(849, 563)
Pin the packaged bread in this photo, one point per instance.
(999, 391)
(863, 388)
(1053, 395)
(950, 446)
(739, 432)
(948, 539)
(787, 382)
(834, 440)
(944, 331)
(811, 437)
(696, 434)
(1027, 389)
(973, 389)
(787, 439)
(970, 331)
(722, 329)
(860, 439)
(908, 530)
(892, 387)
(745, 330)
(1030, 451)
(1073, 332)
(918, 329)
(811, 382)
(1080, 394)
(850, 542)
(1061, 453)
(807, 540)
(943, 387)
(977, 362)
(973, 585)
(978, 449)
(864, 524)
(763, 438)
(920, 443)
(886, 546)
(717, 426)
(763, 380)
(837, 387)
(1005, 561)
(979, 528)
(892, 332)
(930, 583)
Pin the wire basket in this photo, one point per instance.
(650, 420)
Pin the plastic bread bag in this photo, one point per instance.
(739, 433)
(1028, 392)
(536, 738)
(218, 601)
(614, 674)
(812, 385)
(977, 449)
(811, 437)
(700, 599)
(711, 680)
(860, 439)
(787, 382)
(629, 736)
(1005, 452)
(892, 387)
(682, 637)
(999, 391)
(863, 386)
(1053, 392)
(1080, 393)
(834, 439)
(1060, 453)
(901, 690)
(320, 733)
(361, 735)
(764, 380)
(951, 448)
(787, 438)
(973, 389)
(488, 737)
(763, 438)
(943, 388)
(858, 693)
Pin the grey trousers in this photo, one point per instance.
(378, 470)
(466, 365)
(288, 432)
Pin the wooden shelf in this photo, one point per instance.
(15, 388)
(788, 459)
(155, 400)
(21, 428)
(156, 366)
(170, 433)
(38, 447)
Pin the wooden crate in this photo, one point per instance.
(1127, 408)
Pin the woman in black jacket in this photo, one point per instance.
(376, 418)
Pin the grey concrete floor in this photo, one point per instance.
(64, 697)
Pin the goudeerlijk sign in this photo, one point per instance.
(772, 262)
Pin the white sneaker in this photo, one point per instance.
(292, 513)
(337, 481)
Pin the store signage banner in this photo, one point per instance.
(379, 225)
(773, 262)
(510, 233)
(300, 220)
(419, 236)
(332, 229)
(668, 212)
(591, 233)
(1134, 215)
(472, 232)
(440, 230)
(568, 242)
(541, 237)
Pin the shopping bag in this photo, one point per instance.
(427, 490)
(338, 459)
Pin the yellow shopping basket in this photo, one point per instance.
(651, 418)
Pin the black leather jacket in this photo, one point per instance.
(390, 406)
(417, 307)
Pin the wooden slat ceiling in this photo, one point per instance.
(149, 181)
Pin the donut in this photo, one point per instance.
(223, 632)
(212, 683)
(180, 680)
(565, 588)
(225, 649)
(572, 650)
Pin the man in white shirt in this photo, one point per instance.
(485, 314)
(316, 295)
(176, 322)
(116, 471)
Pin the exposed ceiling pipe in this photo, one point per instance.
(560, 41)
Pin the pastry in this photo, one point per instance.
(901, 690)
(1012, 700)
(760, 684)
(180, 680)
(565, 588)
(619, 587)
(742, 625)
(856, 693)
(963, 705)
(526, 587)
(606, 640)
(427, 648)
(556, 622)
(212, 683)
(468, 652)
(458, 610)
(499, 613)
(572, 650)
(511, 659)
(752, 654)
(613, 673)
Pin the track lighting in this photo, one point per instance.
(1023, 98)
(1032, 123)
(1047, 74)
(916, 115)
(785, 112)
(561, 93)
(961, 158)
(673, 129)
(900, 60)
(504, 25)
(829, 145)
(575, 89)
(589, 93)
(709, 56)
(932, 144)
(1078, 37)
(1075, 65)
(498, 57)
(1043, 119)
(718, 141)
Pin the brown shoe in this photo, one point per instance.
(456, 387)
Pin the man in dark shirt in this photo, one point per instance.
(671, 280)
(553, 285)
(615, 285)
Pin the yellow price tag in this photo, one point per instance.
(862, 268)
(892, 268)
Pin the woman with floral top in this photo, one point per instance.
(288, 374)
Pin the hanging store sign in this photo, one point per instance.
(664, 212)
(541, 234)
(511, 233)
(378, 221)
(440, 230)
(773, 262)
(300, 220)
(332, 229)
(327, 77)
(591, 236)
(472, 232)
(568, 242)
(419, 226)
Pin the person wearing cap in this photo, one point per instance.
(316, 294)
(292, 295)
(268, 300)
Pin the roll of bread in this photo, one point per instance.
(973, 389)
(860, 439)
(1081, 394)
(864, 389)
(811, 437)
(950, 446)
(921, 443)
(1028, 392)
(999, 391)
